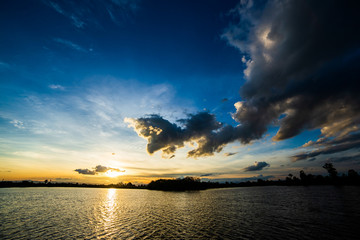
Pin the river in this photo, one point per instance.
(272, 212)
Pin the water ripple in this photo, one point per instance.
(242, 213)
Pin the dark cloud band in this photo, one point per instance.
(256, 167)
(97, 169)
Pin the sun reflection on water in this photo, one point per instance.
(108, 210)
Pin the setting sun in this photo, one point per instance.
(111, 173)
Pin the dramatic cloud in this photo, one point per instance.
(256, 167)
(97, 169)
(293, 68)
(302, 69)
(201, 128)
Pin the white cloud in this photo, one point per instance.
(56, 87)
(17, 123)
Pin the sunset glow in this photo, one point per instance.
(113, 174)
(120, 91)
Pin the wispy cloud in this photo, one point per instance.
(90, 13)
(68, 10)
(70, 44)
(84, 123)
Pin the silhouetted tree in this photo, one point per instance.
(187, 183)
(352, 173)
(331, 170)
(302, 176)
(289, 179)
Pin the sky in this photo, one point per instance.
(119, 90)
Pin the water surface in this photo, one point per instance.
(316, 212)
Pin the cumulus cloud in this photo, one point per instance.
(201, 128)
(256, 167)
(97, 169)
(301, 62)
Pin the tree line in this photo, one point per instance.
(194, 183)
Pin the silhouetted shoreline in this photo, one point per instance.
(193, 183)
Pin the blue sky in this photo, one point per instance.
(78, 77)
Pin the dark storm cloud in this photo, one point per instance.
(256, 167)
(302, 62)
(97, 169)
